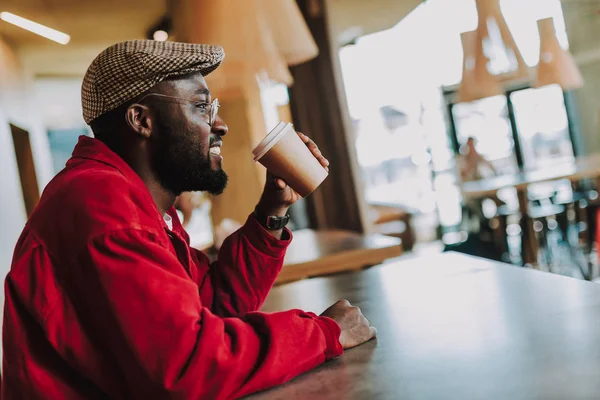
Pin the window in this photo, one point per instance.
(543, 126)
(487, 120)
(393, 81)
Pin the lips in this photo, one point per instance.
(215, 148)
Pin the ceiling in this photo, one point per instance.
(353, 18)
(86, 21)
(96, 24)
(92, 24)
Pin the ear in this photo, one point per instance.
(139, 119)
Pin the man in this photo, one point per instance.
(474, 166)
(105, 298)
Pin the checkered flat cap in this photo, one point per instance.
(125, 70)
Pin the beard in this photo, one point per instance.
(182, 164)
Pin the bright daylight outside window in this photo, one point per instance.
(393, 81)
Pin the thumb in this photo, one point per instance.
(280, 183)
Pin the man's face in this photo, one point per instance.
(185, 148)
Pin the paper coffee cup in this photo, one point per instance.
(285, 155)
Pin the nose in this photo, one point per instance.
(219, 127)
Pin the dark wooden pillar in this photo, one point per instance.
(316, 111)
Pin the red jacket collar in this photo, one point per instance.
(93, 149)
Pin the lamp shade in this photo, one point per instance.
(290, 32)
(556, 65)
(477, 82)
(496, 47)
(240, 27)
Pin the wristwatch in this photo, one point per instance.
(271, 222)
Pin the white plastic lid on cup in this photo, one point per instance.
(270, 140)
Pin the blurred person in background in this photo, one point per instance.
(472, 165)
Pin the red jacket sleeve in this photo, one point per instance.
(139, 302)
(248, 264)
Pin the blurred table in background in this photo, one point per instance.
(587, 167)
(583, 168)
(315, 253)
(452, 326)
(392, 219)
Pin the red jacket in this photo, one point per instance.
(102, 300)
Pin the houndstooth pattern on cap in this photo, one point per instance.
(128, 69)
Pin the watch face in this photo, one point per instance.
(277, 222)
(272, 222)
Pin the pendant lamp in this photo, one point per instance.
(240, 27)
(496, 47)
(477, 82)
(290, 32)
(556, 65)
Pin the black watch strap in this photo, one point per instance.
(271, 222)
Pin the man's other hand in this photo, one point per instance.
(356, 329)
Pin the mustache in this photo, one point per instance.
(214, 139)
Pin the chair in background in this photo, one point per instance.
(545, 226)
(393, 221)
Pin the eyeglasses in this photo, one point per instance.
(207, 109)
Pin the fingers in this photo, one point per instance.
(280, 183)
(276, 186)
(315, 150)
(317, 153)
(357, 334)
(372, 332)
(343, 302)
(364, 320)
(303, 137)
(355, 327)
